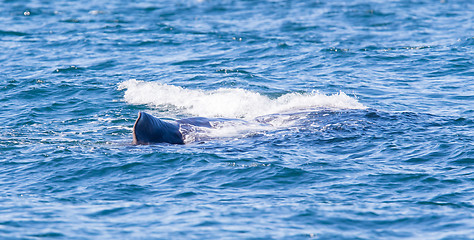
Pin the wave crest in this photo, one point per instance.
(230, 102)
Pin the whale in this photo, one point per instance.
(150, 130)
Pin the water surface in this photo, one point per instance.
(354, 119)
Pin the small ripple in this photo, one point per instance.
(103, 65)
(48, 235)
(435, 203)
(116, 211)
(12, 33)
(68, 69)
(466, 42)
(334, 49)
(71, 20)
(188, 194)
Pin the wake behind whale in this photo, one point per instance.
(150, 130)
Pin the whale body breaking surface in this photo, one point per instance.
(149, 129)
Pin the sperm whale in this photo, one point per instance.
(149, 129)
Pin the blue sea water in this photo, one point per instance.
(352, 119)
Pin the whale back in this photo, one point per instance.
(196, 121)
(148, 129)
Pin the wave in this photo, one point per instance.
(230, 102)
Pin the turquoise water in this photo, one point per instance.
(350, 119)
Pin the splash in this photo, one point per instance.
(230, 102)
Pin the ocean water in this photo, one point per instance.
(346, 119)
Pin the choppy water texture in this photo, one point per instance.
(352, 119)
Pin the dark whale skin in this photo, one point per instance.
(148, 130)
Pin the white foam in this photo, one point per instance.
(230, 102)
(222, 129)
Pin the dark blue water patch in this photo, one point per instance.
(11, 33)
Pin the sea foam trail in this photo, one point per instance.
(230, 102)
